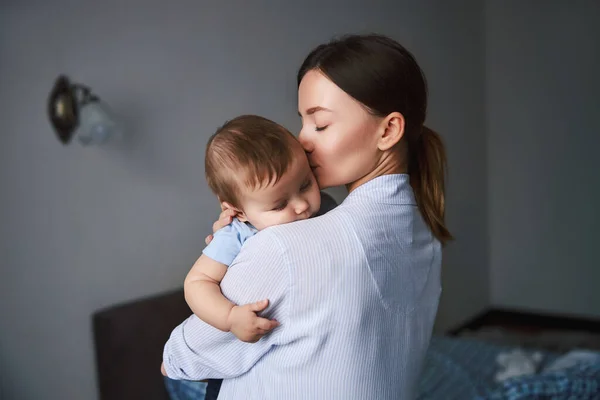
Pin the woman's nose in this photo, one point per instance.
(305, 142)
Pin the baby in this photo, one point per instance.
(258, 169)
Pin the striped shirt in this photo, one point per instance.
(356, 292)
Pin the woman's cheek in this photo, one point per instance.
(332, 149)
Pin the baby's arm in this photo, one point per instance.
(204, 297)
(203, 293)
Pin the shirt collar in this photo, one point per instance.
(388, 189)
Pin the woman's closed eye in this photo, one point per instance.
(321, 128)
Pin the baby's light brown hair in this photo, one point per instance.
(248, 150)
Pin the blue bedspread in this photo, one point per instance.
(457, 368)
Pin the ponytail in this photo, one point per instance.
(427, 170)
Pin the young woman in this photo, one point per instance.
(355, 290)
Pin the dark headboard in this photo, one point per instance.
(129, 340)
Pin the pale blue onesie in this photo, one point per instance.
(228, 241)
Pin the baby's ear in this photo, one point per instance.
(239, 214)
(225, 205)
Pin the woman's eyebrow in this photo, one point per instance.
(313, 110)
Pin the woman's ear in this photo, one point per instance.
(392, 130)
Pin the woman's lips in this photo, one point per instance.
(313, 165)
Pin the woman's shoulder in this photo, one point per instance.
(318, 229)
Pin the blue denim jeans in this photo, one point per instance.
(186, 390)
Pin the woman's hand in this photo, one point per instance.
(225, 219)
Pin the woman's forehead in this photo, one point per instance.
(317, 93)
(316, 90)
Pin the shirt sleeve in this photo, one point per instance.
(196, 350)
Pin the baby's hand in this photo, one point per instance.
(225, 219)
(246, 325)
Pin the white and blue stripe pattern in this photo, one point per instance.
(356, 291)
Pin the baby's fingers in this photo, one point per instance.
(222, 222)
(227, 212)
(265, 325)
(259, 305)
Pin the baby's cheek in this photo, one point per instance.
(316, 200)
(278, 218)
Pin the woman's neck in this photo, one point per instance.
(390, 163)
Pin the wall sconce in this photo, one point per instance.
(75, 111)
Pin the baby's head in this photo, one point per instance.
(259, 169)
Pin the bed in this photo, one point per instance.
(129, 339)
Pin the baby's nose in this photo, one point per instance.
(301, 206)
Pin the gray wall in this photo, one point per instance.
(543, 83)
(84, 228)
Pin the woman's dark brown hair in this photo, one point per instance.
(384, 76)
